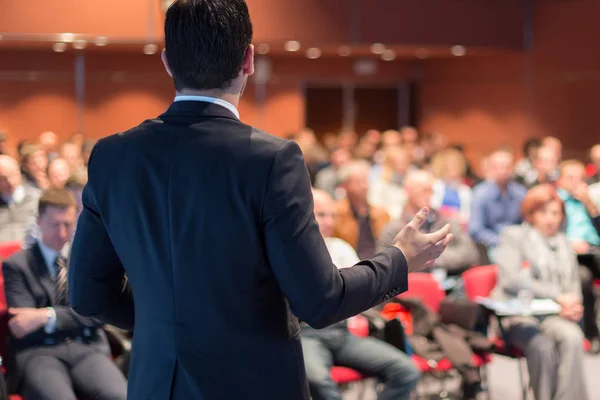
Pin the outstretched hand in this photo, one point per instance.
(421, 249)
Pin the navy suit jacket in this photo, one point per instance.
(212, 223)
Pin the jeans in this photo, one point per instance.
(372, 357)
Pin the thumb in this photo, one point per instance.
(419, 219)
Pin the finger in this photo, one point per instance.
(13, 311)
(419, 219)
(429, 264)
(445, 241)
(439, 235)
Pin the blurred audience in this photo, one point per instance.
(71, 153)
(3, 147)
(595, 159)
(524, 167)
(58, 173)
(385, 191)
(461, 252)
(34, 164)
(358, 222)
(49, 143)
(18, 202)
(553, 345)
(451, 196)
(545, 168)
(496, 203)
(327, 178)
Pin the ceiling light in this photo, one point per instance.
(101, 41)
(79, 44)
(344, 51)
(67, 37)
(150, 49)
(388, 55)
(263, 48)
(292, 45)
(422, 53)
(377, 48)
(313, 53)
(458, 51)
(59, 47)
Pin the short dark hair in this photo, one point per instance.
(57, 198)
(531, 143)
(206, 41)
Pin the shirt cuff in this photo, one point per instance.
(51, 324)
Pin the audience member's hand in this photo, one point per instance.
(571, 307)
(581, 246)
(581, 193)
(26, 320)
(421, 249)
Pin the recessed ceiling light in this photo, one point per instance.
(67, 37)
(388, 55)
(150, 49)
(79, 44)
(344, 51)
(458, 51)
(59, 47)
(422, 53)
(101, 41)
(313, 53)
(292, 45)
(263, 48)
(377, 48)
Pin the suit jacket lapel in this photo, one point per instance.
(40, 269)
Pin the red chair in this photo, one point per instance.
(7, 249)
(424, 287)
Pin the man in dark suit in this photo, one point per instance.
(52, 350)
(212, 222)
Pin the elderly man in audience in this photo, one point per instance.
(553, 345)
(496, 203)
(545, 168)
(358, 222)
(386, 190)
(34, 166)
(18, 202)
(48, 141)
(582, 229)
(54, 353)
(327, 179)
(58, 173)
(71, 153)
(336, 345)
(461, 252)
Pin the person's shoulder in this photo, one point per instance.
(514, 232)
(265, 143)
(17, 261)
(518, 188)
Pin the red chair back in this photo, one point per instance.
(480, 281)
(7, 249)
(424, 287)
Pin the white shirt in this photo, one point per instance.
(17, 196)
(213, 100)
(49, 257)
(342, 254)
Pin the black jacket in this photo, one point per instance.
(212, 222)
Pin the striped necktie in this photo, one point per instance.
(60, 266)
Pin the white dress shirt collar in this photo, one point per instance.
(208, 99)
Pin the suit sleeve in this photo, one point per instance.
(317, 291)
(97, 284)
(16, 290)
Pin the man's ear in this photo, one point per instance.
(248, 66)
(163, 57)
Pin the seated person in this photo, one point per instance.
(460, 254)
(553, 345)
(53, 352)
(335, 345)
(495, 203)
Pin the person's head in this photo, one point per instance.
(354, 178)
(75, 185)
(572, 175)
(208, 46)
(3, 149)
(365, 149)
(530, 147)
(554, 144)
(49, 141)
(330, 140)
(418, 186)
(410, 136)
(347, 139)
(10, 175)
(340, 157)
(595, 156)
(449, 165)
(56, 217)
(33, 159)
(324, 212)
(373, 136)
(58, 173)
(543, 209)
(546, 161)
(501, 166)
(77, 138)
(397, 160)
(21, 145)
(71, 153)
(391, 138)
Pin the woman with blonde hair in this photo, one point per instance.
(451, 196)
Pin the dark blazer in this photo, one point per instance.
(27, 283)
(212, 222)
